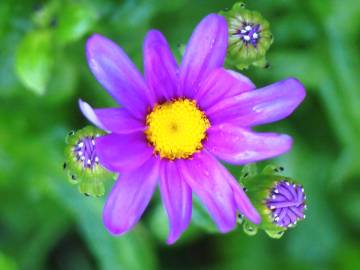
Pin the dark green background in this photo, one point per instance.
(45, 223)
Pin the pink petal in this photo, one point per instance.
(205, 177)
(242, 201)
(123, 152)
(239, 146)
(205, 51)
(118, 75)
(220, 84)
(266, 105)
(177, 199)
(129, 197)
(161, 70)
(117, 120)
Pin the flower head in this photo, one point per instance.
(176, 123)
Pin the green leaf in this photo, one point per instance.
(34, 60)
(201, 218)
(121, 252)
(159, 223)
(75, 20)
(62, 85)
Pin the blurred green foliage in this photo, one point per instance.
(46, 224)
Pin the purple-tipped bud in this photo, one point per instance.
(82, 162)
(287, 203)
(85, 152)
(279, 200)
(249, 37)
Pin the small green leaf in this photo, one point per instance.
(75, 21)
(159, 223)
(122, 252)
(34, 60)
(62, 85)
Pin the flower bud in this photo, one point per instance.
(249, 37)
(279, 200)
(82, 162)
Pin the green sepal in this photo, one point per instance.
(250, 228)
(94, 187)
(249, 170)
(89, 180)
(240, 55)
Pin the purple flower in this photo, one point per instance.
(175, 123)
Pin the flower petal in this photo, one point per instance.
(220, 84)
(129, 197)
(204, 175)
(161, 70)
(239, 146)
(90, 114)
(117, 120)
(118, 75)
(243, 203)
(177, 199)
(123, 152)
(205, 51)
(266, 105)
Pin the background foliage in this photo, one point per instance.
(46, 224)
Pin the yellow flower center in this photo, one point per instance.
(176, 129)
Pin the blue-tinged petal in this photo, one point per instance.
(118, 75)
(161, 70)
(130, 196)
(123, 152)
(242, 201)
(265, 105)
(204, 52)
(240, 146)
(204, 175)
(117, 120)
(177, 199)
(220, 84)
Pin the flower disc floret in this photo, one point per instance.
(176, 129)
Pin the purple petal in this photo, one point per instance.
(177, 199)
(266, 105)
(117, 120)
(123, 152)
(220, 84)
(243, 203)
(204, 175)
(90, 114)
(239, 146)
(205, 51)
(161, 70)
(129, 197)
(118, 75)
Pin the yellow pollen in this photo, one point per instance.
(176, 129)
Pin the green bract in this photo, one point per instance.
(82, 162)
(249, 37)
